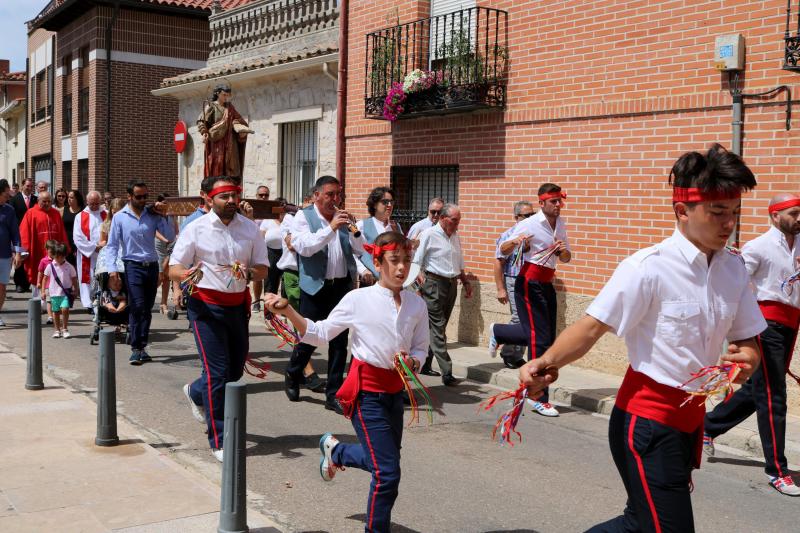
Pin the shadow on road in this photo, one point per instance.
(396, 528)
(734, 461)
(283, 444)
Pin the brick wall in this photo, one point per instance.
(39, 134)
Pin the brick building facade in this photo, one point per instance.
(89, 147)
(599, 97)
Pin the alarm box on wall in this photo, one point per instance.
(729, 52)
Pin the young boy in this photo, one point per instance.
(384, 320)
(40, 286)
(60, 277)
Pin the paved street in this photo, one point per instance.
(455, 478)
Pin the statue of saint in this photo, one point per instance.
(224, 134)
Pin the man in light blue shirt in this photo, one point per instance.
(133, 230)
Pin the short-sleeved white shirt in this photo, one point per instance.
(218, 246)
(769, 261)
(542, 235)
(288, 260)
(675, 310)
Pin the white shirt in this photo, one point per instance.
(288, 260)
(272, 233)
(439, 253)
(87, 246)
(307, 244)
(378, 330)
(217, 246)
(769, 261)
(542, 236)
(675, 310)
(380, 228)
(419, 227)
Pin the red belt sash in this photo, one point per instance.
(366, 377)
(537, 273)
(225, 299)
(781, 313)
(643, 396)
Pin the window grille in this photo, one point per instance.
(298, 165)
(416, 186)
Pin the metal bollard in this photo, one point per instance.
(106, 392)
(233, 504)
(34, 379)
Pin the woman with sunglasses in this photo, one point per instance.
(60, 200)
(75, 204)
(380, 205)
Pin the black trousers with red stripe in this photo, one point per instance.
(764, 394)
(222, 339)
(655, 463)
(536, 307)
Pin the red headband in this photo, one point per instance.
(780, 206)
(377, 251)
(224, 188)
(684, 194)
(550, 195)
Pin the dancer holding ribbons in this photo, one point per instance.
(541, 238)
(228, 252)
(770, 259)
(390, 342)
(675, 303)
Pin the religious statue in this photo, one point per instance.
(224, 134)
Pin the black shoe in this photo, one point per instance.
(314, 383)
(334, 405)
(513, 363)
(291, 388)
(21, 290)
(136, 358)
(429, 372)
(144, 357)
(449, 380)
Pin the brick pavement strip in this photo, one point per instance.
(53, 477)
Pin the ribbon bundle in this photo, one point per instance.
(190, 280)
(411, 382)
(787, 285)
(238, 272)
(543, 256)
(507, 421)
(517, 254)
(711, 381)
(257, 369)
(280, 328)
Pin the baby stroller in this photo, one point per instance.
(100, 291)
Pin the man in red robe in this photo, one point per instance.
(40, 224)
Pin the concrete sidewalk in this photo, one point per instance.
(54, 478)
(596, 392)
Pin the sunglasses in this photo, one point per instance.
(434, 212)
(262, 195)
(141, 196)
(386, 201)
(525, 215)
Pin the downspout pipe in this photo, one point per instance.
(109, 34)
(341, 94)
(27, 114)
(51, 88)
(738, 122)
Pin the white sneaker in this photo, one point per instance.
(57, 334)
(66, 334)
(197, 410)
(784, 485)
(543, 408)
(326, 467)
(2, 322)
(708, 446)
(217, 453)
(49, 320)
(492, 342)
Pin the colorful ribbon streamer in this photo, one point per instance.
(543, 256)
(711, 381)
(787, 285)
(517, 255)
(412, 383)
(188, 283)
(238, 272)
(280, 328)
(257, 369)
(507, 421)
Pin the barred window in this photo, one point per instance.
(415, 186)
(298, 166)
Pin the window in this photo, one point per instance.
(43, 169)
(415, 186)
(66, 115)
(66, 175)
(298, 167)
(83, 175)
(83, 110)
(40, 96)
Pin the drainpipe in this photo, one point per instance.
(326, 69)
(109, 32)
(52, 91)
(738, 123)
(27, 113)
(341, 93)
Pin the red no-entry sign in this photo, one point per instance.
(180, 136)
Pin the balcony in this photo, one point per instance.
(451, 63)
(792, 42)
(257, 27)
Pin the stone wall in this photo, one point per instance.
(257, 101)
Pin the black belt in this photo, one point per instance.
(440, 277)
(335, 280)
(144, 264)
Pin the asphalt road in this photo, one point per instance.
(559, 479)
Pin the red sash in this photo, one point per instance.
(86, 261)
(224, 299)
(781, 313)
(365, 377)
(643, 396)
(538, 273)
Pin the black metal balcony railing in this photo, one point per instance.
(792, 46)
(450, 63)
